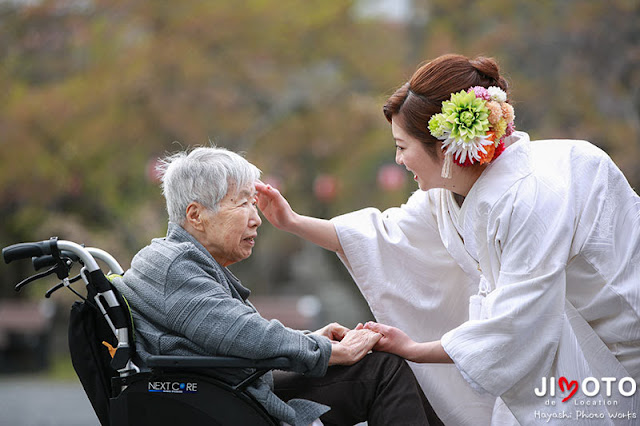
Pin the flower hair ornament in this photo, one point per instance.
(472, 126)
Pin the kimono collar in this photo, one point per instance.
(501, 174)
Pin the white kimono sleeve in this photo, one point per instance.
(410, 281)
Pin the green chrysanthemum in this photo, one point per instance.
(439, 126)
(467, 115)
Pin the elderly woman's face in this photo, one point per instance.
(230, 233)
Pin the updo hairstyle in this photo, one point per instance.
(413, 104)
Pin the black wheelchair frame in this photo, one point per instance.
(172, 389)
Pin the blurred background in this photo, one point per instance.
(93, 92)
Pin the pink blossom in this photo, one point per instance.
(510, 128)
(480, 92)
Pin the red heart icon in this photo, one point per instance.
(569, 384)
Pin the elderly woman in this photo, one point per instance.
(185, 301)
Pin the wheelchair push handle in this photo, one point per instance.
(26, 251)
(53, 247)
(60, 255)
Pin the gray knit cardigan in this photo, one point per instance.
(184, 303)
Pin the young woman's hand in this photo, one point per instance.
(397, 342)
(277, 210)
(274, 206)
(393, 339)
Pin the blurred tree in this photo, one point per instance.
(93, 91)
(574, 65)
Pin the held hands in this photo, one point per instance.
(350, 346)
(353, 347)
(334, 331)
(397, 342)
(393, 340)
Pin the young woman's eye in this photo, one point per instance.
(399, 148)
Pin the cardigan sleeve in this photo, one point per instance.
(200, 308)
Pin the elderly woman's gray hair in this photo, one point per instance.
(203, 175)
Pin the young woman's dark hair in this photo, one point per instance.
(416, 101)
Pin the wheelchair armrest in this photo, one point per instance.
(168, 361)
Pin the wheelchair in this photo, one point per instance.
(172, 389)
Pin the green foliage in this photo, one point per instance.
(92, 93)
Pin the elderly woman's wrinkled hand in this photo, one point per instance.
(353, 347)
(334, 331)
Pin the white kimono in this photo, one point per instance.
(547, 248)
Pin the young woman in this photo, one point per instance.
(518, 261)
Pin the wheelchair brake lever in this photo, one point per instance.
(54, 289)
(26, 281)
(61, 284)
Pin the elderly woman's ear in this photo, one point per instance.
(193, 217)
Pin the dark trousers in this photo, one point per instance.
(380, 389)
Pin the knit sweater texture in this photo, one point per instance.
(184, 303)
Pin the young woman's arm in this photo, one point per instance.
(397, 342)
(277, 210)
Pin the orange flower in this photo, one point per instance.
(491, 149)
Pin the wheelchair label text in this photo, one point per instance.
(173, 387)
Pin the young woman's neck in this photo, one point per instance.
(463, 178)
